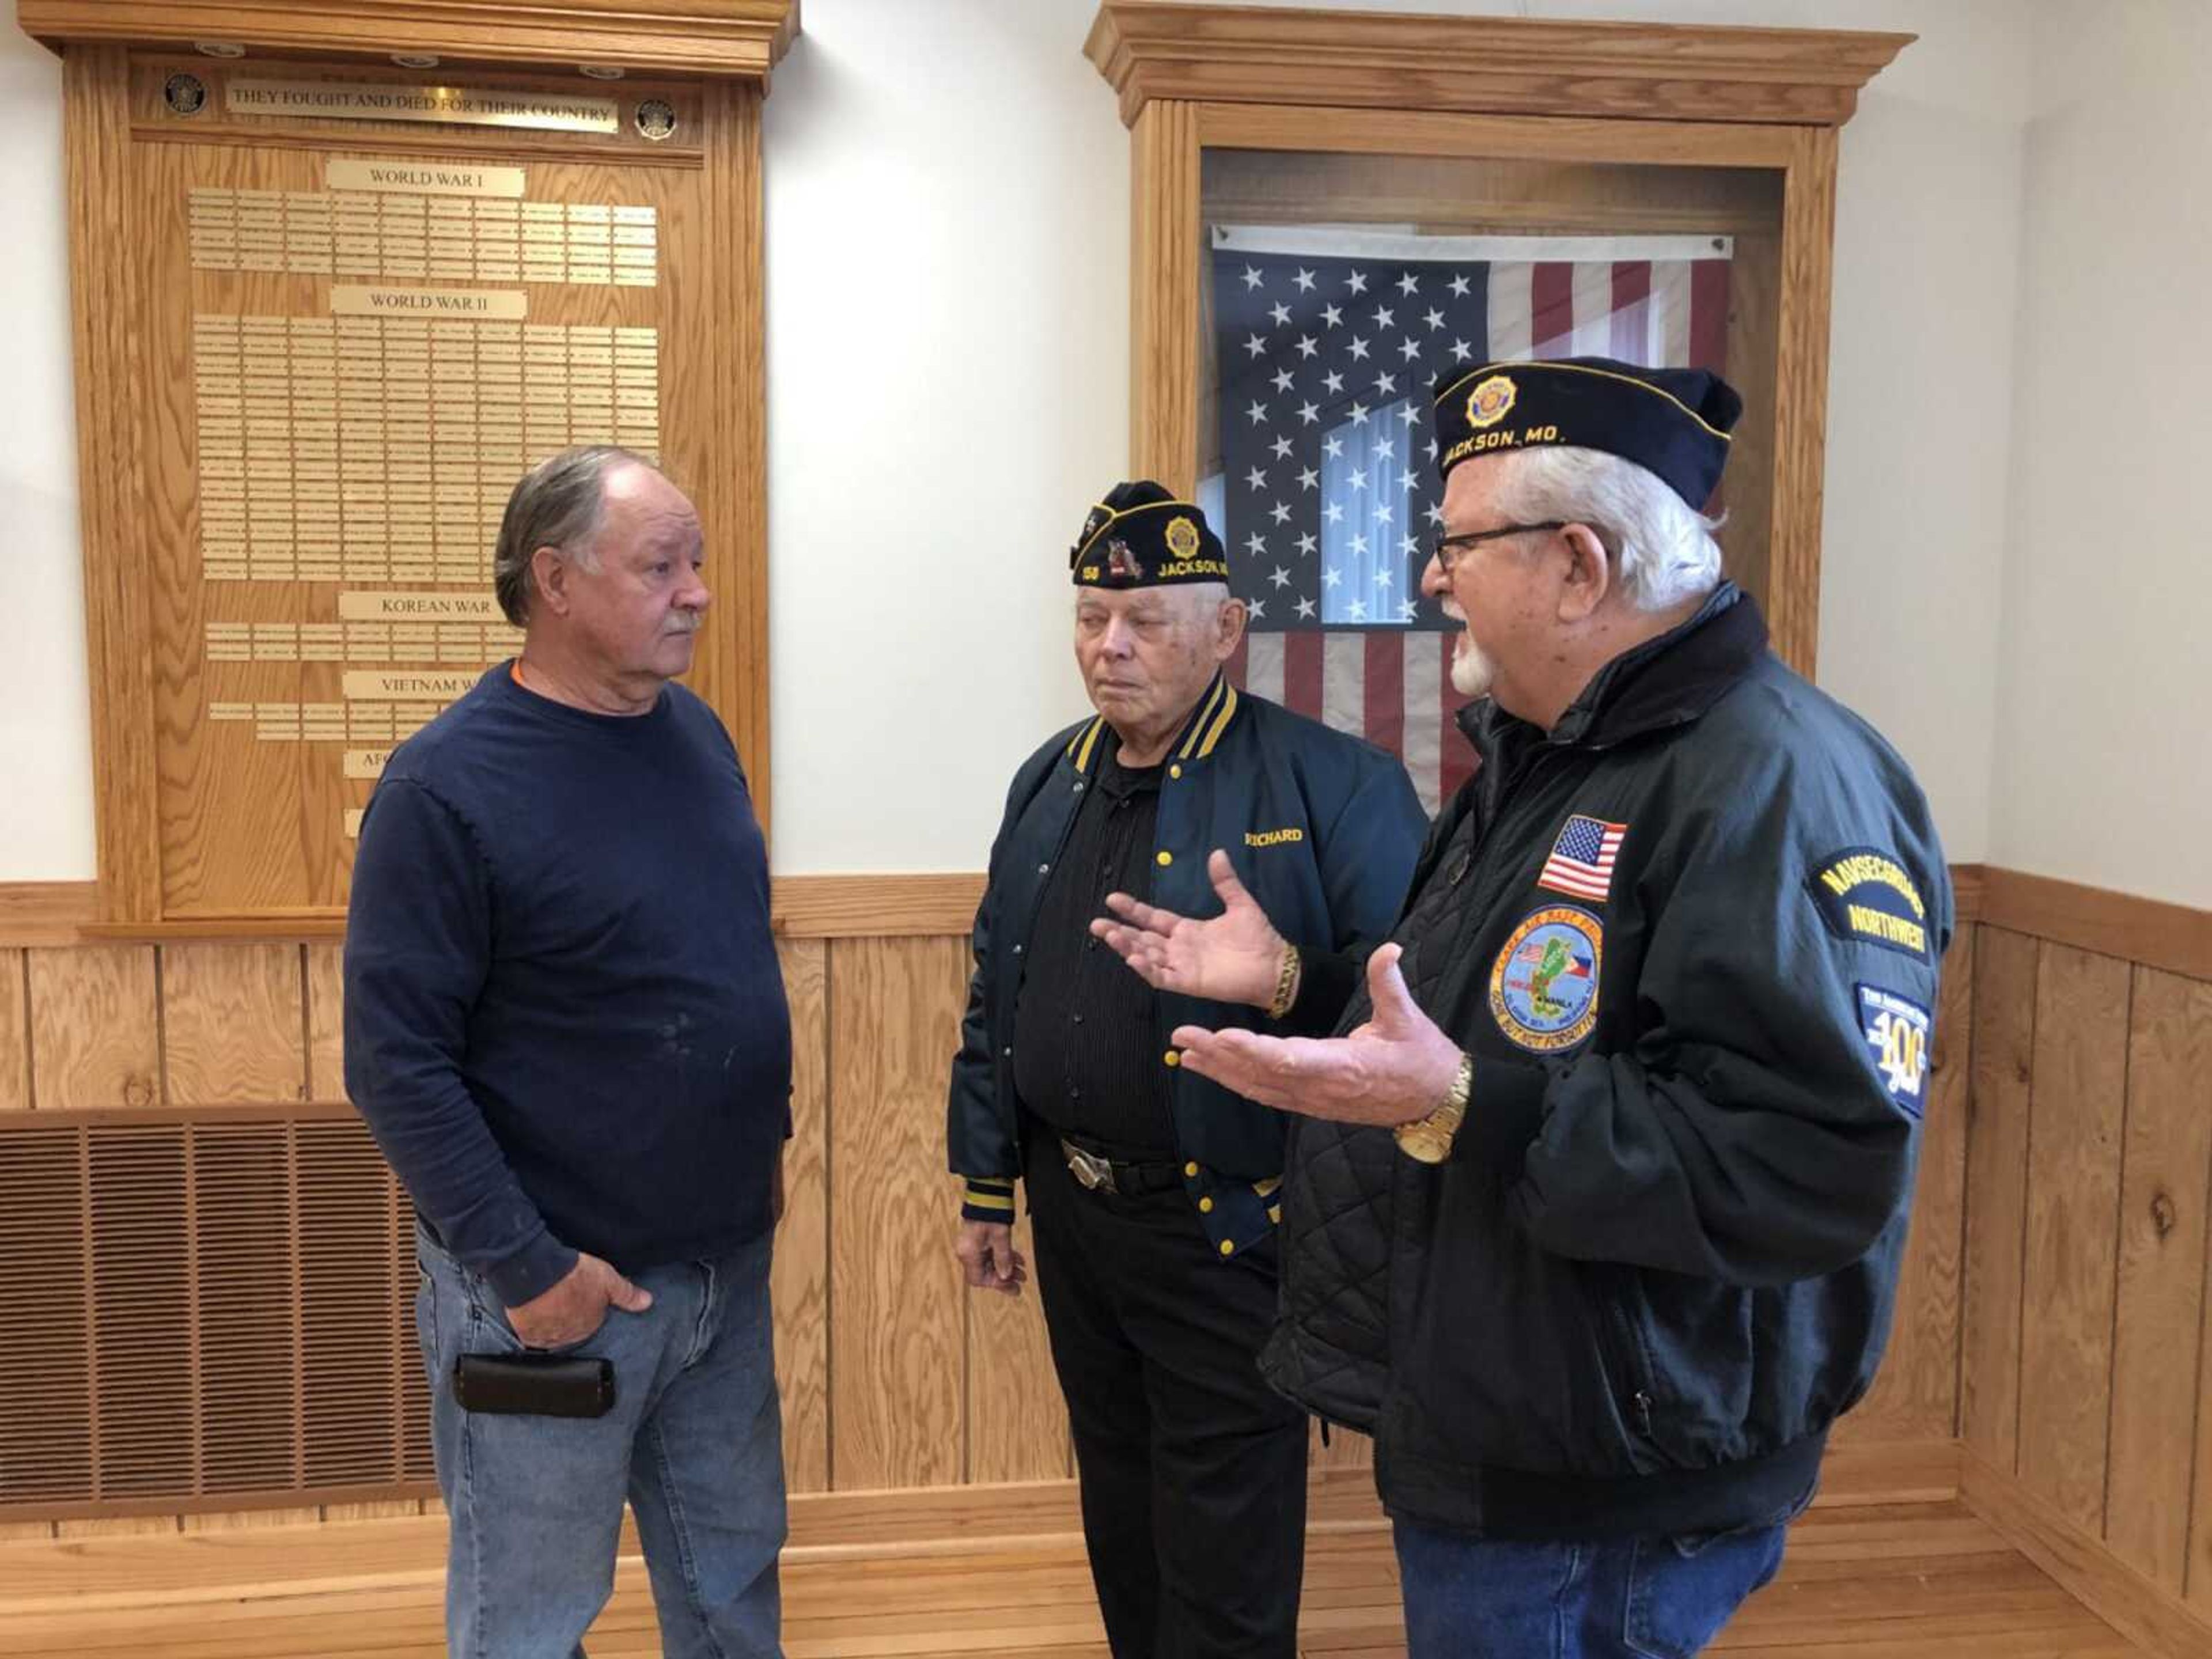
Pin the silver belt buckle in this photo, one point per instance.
(1095, 1173)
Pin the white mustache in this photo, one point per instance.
(690, 625)
(1451, 609)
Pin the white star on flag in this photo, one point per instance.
(1320, 336)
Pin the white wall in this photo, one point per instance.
(2103, 764)
(948, 327)
(948, 370)
(992, 374)
(45, 724)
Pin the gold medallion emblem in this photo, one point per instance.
(1491, 402)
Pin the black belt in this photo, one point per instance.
(1102, 1174)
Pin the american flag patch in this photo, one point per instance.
(1581, 858)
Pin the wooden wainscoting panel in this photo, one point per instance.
(396, 1509)
(14, 1035)
(2004, 1065)
(1916, 1395)
(325, 1020)
(896, 1318)
(1016, 1418)
(2073, 1210)
(2165, 1168)
(94, 1025)
(2198, 1576)
(216, 1521)
(2154, 932)
(800, 1282)
(233, 1023)
(83, 1527)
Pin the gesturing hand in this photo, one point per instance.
(1232, 957)
(1397, 1068)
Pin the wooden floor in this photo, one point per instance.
(1920, 1580)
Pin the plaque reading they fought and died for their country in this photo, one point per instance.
(370, 101)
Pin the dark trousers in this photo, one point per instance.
(1192, 1470)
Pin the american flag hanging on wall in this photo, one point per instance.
(1327, 342)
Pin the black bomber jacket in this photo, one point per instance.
(1691, 937)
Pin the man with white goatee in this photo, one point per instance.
(1595, 1214)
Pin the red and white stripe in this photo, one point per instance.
(1392, 686)
(1592, 880)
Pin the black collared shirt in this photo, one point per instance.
(1086, 1037)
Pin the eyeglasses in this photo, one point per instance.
(1446, 548)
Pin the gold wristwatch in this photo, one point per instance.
(1429, 1140)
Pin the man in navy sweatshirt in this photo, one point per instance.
(566, 1027)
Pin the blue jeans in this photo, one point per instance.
(693, 1441)
(1651, 1598)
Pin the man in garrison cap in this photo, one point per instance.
(1152, 1190)
(1595, 1215)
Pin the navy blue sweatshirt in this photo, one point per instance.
(564, 1021)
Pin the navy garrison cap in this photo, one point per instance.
(1673, 422)
(1141, 536)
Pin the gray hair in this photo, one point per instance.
(1663, 548)
(559, 503)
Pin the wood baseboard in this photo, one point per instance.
(2146, 1614)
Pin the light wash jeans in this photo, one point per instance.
(693, 1441)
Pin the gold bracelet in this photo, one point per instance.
(1287, 983)
(1429, 1140)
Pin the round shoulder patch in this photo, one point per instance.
(1543, 986)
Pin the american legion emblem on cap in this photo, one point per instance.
(1673, 422)
(1142, 536)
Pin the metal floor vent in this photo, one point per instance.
(191, 1311)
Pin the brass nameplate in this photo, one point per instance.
(397, 687)
(347, 299)
(383, 607)
(352, 822)
(422, 178)
(466, 106)
(366, 763)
